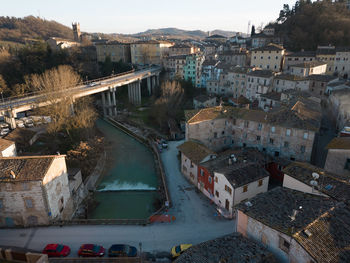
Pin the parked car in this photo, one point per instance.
(178, 250)
(29, 123)
(56, 250)
(4, 131)
(119, 250)
(4, 125)
(91, 250)
(20, 123)
(38, 120)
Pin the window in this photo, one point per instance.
(29, 203)
(302, 149)
(271, 141)
(273, 129)
(209, 179)
(259, 126)
(246, 124)
(191, 164)
(215, 134)
(217, 193)
(284, 244)
(216, 179)
(1, 204)
(260, 182)
(306, 135)
(258, 138)
(288, 132)
(234, 121)
(245, 188)
(286, 144)
(228, 189)
(202, 172)
(25, 186)
(223, 132)
(347, 164)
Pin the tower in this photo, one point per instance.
(76, 31)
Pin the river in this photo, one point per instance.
(128, 188)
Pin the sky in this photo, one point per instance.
(132, 16)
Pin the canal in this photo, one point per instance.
(128, 188)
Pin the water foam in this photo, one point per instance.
(117, 186)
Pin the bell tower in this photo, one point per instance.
(76, 31)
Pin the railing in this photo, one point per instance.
(34, 95)
(101, 222)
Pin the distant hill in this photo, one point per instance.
(30, 27)
(172, 32)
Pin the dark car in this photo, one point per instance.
(91, 250)
(119, 250)
(56, 250)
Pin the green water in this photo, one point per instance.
(127, 189)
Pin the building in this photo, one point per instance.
(307, 178)
(342, 63)
(296, 226)
(7, 148)
(338, 156)
(288, 133)
(296, 58)
(235, 58)
(216, 38)
(57, 43)
(258, 82)
(209, 71)
(182, 49)
(204, 101)
(339, 104)
(116, 51)
(193, 69)
(174, 65)
(283, 82)
(192, 154)
(22, 137)
(269, 57)
(308, 68)
(264, 38)
(269, 100)
(239, 87)
(230, 248)
(34, 190)
(233, 176)
(318, 84)
(326, 54)
(149, 52)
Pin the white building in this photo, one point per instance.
(7, 148)
(308, 68)
(258, 82)
(342, 62)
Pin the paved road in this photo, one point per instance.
(195, 222)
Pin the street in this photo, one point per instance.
(195, 222)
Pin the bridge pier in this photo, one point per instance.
(109, 105)
(134, 92)
(104, 104)
(113, 91)
(10, 118)
(149, 85)
(153, 83)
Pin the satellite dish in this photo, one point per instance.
(315, 175)
(313, 183)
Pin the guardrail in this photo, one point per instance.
(101, 222)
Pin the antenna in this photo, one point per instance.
(315, 175)
(249, 22)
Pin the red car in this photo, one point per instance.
(56, 250)
(91, 250)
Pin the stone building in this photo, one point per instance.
(33, 190)
(174, 65)
(285, 82)
(182, 49)
(338, 156)
(326, 54)
(306, 69)
(318, 84)
(342, 62)
(149, 52)
(116, 51)
(270, 57)
(204, 101)
(296, 226)
(258, 82)
(340, 107)
(296, 58)
(235, 58)
(287, 133)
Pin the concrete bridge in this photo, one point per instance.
(106, 86)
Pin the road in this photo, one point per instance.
(195, 222)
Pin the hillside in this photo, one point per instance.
(308, 24)
(30, 27)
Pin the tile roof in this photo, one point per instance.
(20, 135)
(241, 100)
(335, 186)
(288, 77)
(196, 152)
(339, 143)
(272, 95)
(261, 73)
(25, 168)
(302, 54)
(230, 248)
(319, 77)
(276, 208)
(328, 237)
(4, 144)
(203, 98)
(270, 47)
(311, 64)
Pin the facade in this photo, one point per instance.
(318, 84)
(149, 52)
(270, 57)
(193, 69)
(34, 190)
(235, 58)
(294, 226)
(182, 49)
(204, 101)
(174, 65)
(57, 43)
(239, 87)
(209, 71)
(287, 133)
(115, 50)
(326, 54)
(7, 148)
(298, 58)
(338, 156)
(269, 101)
(308, 68)
(258, 82)
(192, 154)
(285, 82)
(342, 62)
(340, 108)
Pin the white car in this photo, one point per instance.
(29, 123)
(4, 131)
(4, 125)
(20, 123)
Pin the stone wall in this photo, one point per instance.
(336, 160)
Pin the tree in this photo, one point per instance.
(55, 86)
(3, 86)
(253, 31)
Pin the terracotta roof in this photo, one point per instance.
(230, 248)
(327, 239)
(4, 144)
(25, 168)
(190, 113)
(275, 209)
(335, 186)
(311, 64)
(196, 152)
(339, 143)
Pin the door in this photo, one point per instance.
(227, 205)
(9, 222)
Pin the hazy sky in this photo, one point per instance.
(131, 16)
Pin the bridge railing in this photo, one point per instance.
(33, 95)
